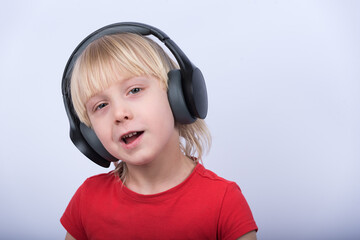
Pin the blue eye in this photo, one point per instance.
(100, 106)
(135, 90)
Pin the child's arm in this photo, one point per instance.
(69, 237)
(248, 236)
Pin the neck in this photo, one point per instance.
(160, 175)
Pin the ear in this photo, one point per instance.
(176, 99)
(95, 143)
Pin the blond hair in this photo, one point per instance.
(111, 56)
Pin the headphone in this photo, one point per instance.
(186, 90)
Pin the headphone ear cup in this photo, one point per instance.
(95, 143)
(198, 94)
(176, 99)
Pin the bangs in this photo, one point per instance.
(111, 58)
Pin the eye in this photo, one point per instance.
(135, 90)
(100, 106)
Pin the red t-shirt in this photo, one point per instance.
(204, 206)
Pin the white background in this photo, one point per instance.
(283, 80)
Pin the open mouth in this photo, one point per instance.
(130, 137)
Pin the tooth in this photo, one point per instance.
(130, 135)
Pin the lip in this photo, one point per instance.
(134, 143)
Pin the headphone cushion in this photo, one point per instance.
(95, 143)
(176, 99)
(198, 94)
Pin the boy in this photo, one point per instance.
(120, 89)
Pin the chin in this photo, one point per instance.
(139, 161)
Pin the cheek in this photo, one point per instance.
(99, 129)
(164, 110)
(158, 112)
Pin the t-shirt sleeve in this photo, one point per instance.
(71, 219)
(236, 218)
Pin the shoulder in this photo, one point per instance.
(93, 190)
(101, 177)
(211, 177)
(230, 190)
(234, 214)
(100, 181)
(209, 183)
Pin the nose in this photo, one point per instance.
(121, 113)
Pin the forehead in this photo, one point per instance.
(127, 82)
(94, 85)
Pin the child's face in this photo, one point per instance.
(133, 120)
